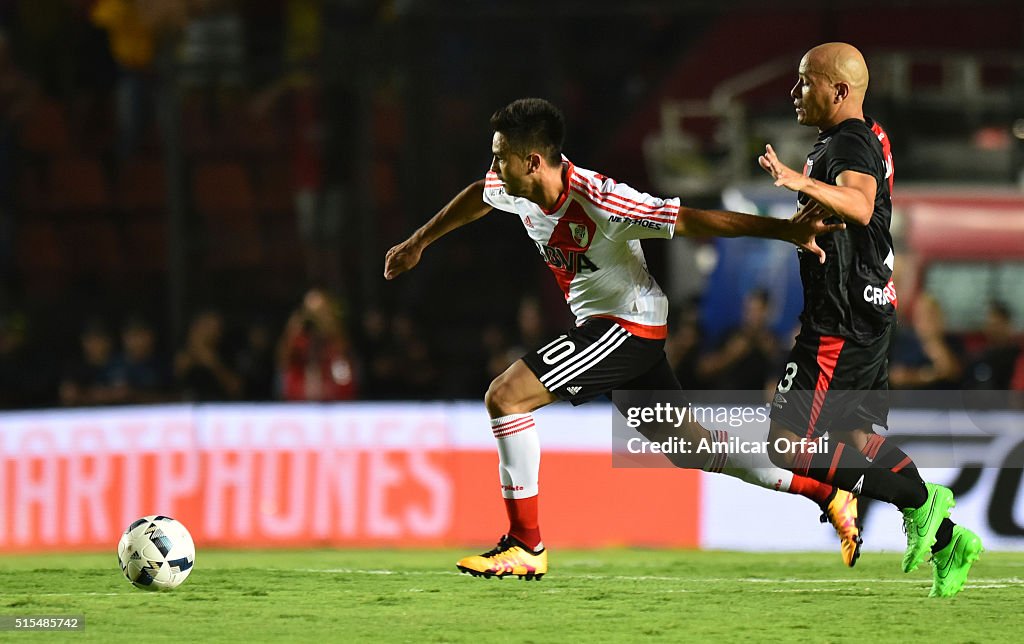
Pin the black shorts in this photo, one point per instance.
(598, 357)
(833, 383)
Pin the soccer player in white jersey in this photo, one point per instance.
(587, 229)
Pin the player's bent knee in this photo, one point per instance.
(497, 399)
(503, 397)
(857, 437)
(516, 391)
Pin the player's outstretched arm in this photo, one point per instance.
(467, 206)
(852, 199)
(800, 230)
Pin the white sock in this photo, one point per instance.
(518, 455)
(753, 467)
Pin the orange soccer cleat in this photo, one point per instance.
(841, 512)
(509, 557)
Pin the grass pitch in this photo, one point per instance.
(604, 595)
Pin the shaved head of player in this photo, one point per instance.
(848, 319)
(833, 79)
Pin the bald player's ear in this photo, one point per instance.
(842, 92)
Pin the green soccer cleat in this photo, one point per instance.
(952, 563)
(921, 523)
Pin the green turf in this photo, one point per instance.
(605, 595)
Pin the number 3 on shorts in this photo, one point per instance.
(787, 380)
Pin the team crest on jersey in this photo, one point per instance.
(580, 235)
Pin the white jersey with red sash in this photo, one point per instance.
(590, 241)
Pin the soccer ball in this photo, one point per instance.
(156, 553)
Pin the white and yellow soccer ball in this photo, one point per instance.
(156, 553)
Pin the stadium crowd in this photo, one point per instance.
(322, 352)
(84, 272)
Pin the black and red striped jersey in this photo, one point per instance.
(852, 295)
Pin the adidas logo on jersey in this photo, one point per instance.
(574, 390)
(527, 222)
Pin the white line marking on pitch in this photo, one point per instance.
(31, 594)
(1007, 581)
(1002, 582)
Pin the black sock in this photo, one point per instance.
(846, 468)
(943, 535)
(884, 453)
(887, 454)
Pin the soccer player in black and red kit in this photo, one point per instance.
(836, 379)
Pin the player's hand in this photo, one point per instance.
(401, 258)
(814, 213)
(808, 223)
(784, 176)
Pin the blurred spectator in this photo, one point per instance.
(89, 75)
(133, 28)
(144, 374)
(212, 48)
(417, 376)
(682, 348)
(319, 203)
(254, 362)
(746, 360)
(925, 356)
(199, 366)
(497, 353)
(380, 360)
(992, 367)
(399, 363)
(313, 355)
(132, 44)
(530, 324)
(93, 378)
